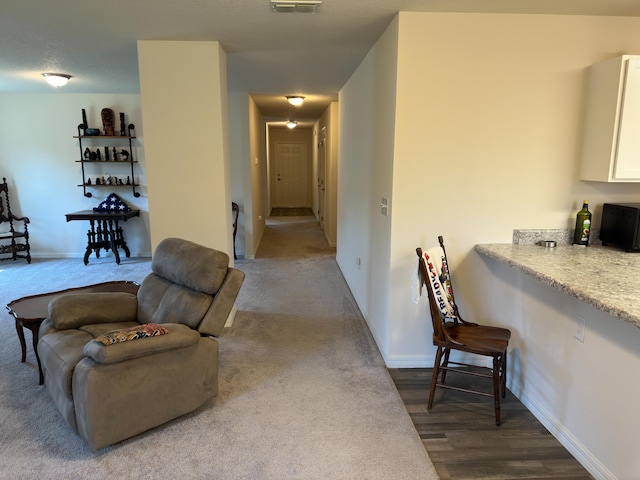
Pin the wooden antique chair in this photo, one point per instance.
(12, 241)
(451, 332)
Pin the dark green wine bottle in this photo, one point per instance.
(583, 225)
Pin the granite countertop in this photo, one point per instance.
(603, 277)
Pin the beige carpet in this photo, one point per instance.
(303, 390)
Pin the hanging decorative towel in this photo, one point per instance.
(440, 280)
(113, 203)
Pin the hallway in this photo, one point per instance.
(308, 380)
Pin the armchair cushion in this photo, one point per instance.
(78, 309)
(180, 336)
(160, 301)
(198, 268)
(131, 333)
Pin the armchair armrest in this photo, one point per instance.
(20, 219)
(77, 309)
(179, 336)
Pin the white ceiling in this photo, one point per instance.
(269, 54)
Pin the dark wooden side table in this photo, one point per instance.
(104, 231)
(31, 311)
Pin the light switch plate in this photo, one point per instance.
(384, 206)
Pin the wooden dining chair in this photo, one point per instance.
(451, 332)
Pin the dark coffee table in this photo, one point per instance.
(31, 311)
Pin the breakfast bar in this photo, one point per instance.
(606, 278)
(574, 314)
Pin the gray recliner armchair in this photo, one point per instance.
(110, 392)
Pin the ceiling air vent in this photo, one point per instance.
(295, 6)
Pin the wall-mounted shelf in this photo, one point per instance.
(114, 154)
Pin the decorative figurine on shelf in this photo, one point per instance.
(120, 182)
(103, 181)
(123, 131)
(124, 154)
(108, 179)
(87, 153)
(115, 155)
(131, 126)
(88, 181)
(97, 180)
(83, 126)
(98, 154)
(128, 180)
(106, 153)
(94, 156)
(107, 122)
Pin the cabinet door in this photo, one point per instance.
(627, 159)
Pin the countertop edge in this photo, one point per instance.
(489, 250)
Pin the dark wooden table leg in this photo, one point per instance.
(34, 327)
(113, 240)
(35, 333)
(23, 345)
(91, 235)
(121, 241)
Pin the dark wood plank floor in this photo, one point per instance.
(463, 442)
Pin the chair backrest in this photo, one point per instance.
(434, 271)
(189, 284)
(235, 211)
(5, 205)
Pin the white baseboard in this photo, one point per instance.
(409, 361)
(562, 434)
(231, 317)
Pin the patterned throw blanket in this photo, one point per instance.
(132, 333)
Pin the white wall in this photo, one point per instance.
(184, 103)
(367, 128)
(38, 157)
(256, 169)
(329, 121)
(239, 157)
(486, 139)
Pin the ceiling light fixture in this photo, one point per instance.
(295, 100)
(291, 124)
(56, 79)
(295, 6)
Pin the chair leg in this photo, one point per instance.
(504, 374)
(445, 364)
(434, 377)
(497, 364)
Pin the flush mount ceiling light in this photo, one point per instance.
(295, 6)
(56, 79)
(291, 124)
(295, 100)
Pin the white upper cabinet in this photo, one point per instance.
(611, 141)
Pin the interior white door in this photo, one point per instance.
(291, 175)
